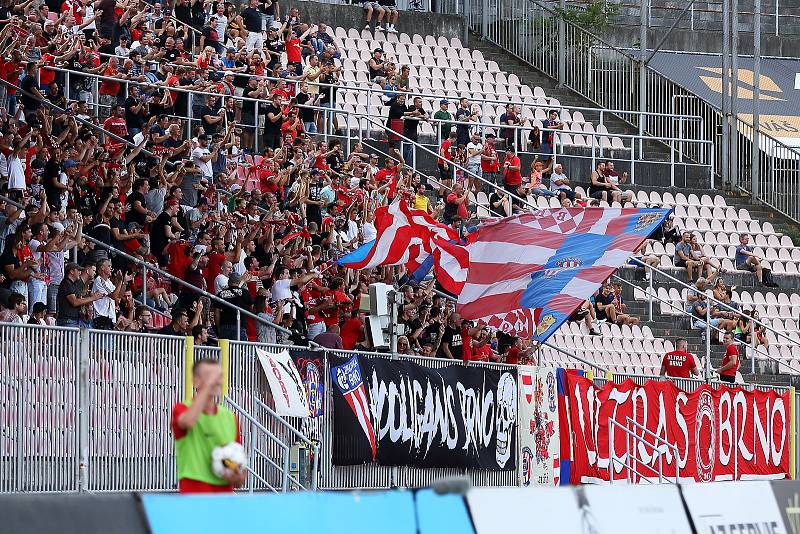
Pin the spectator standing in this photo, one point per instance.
(443, 118)
(228, 327)
(512, 177)
(509, 118)
(199, 427)
(69, 297)
(490, 164)
(474, 158)
(549, 125)
(110, 292)
(679, 363)
(463, 114)
(730, 362)
(451, 346)
(455, 209)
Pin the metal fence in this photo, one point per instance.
(610, 77)
(88, 410)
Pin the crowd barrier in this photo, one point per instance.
(89, 410)
(450, 508)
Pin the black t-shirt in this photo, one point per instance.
(158, 235)
(52, 170)
(8, 258)
(171, 55)
(328, 92)
(335, 161)
(238, 297)
(183, 14)
(210, 128)
(65, 309)
(30, 103)
(411, 124)
(134, 120)
(252, 20)
(452, 337)
(117, 223)
(602, 180)
(269, 126)
(132, 215)
(306, 114)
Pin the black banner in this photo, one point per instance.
(401, 413)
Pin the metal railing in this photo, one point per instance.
(610, 76)
(779, 20)
(633, 444)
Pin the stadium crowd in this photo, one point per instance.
(145, 171)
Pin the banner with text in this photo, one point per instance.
(285, 383)
(538, 426)
(720, 434)
(398, 412)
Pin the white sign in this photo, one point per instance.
(734, 507)
(538, 426)
(511, 510)
(633, 509)
(284, 380)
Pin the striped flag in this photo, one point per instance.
(349, 381)
(404, 236)
(546, 262)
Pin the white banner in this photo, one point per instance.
(538, 426)
(284, 380)
(633, 509)
(728, 507)
(511, 510)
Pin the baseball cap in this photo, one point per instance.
(171, 203)
(444, 102)
(235, 187)
(379, 49)
(231, 50)
(70, 163)
(57, 226)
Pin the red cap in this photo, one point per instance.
(171, 203)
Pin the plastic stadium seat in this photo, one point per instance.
(706, 200)
(617, 143)
(430, 40)
(719, 201)
(477, 55)
(744, 215)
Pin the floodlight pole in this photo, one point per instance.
(755, 171)
(726, 91)
(734, 140)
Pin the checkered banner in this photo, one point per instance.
(549, 261)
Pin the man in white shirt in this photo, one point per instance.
(221, 281)
(105, 308)
(202, 156)
(559, 184)
(474, 151)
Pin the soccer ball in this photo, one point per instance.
(228, 457)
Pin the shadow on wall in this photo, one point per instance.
(353, 16)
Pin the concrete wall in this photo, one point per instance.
(354, 17)
(702, 41)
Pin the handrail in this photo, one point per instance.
(718, 330)
(632, 466)
(388, 93)
(284, 422)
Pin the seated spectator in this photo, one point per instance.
(707, 264)
(730, 363)
(585, 313)
(560, 184)
(38, 314)
(684, 257)
(679, 363)
(667, 232)
(609, 306)
(641, 258)
(745, 329)
(613, 176)
(746, 260)
(698, 311)
(535, 185)
(602, 188)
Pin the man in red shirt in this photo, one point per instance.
(456, 206)
(730, 363)
(116, 125)
(679, 363)
(388, 174)
(512, 178)
(443, 162)
(490, 165)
